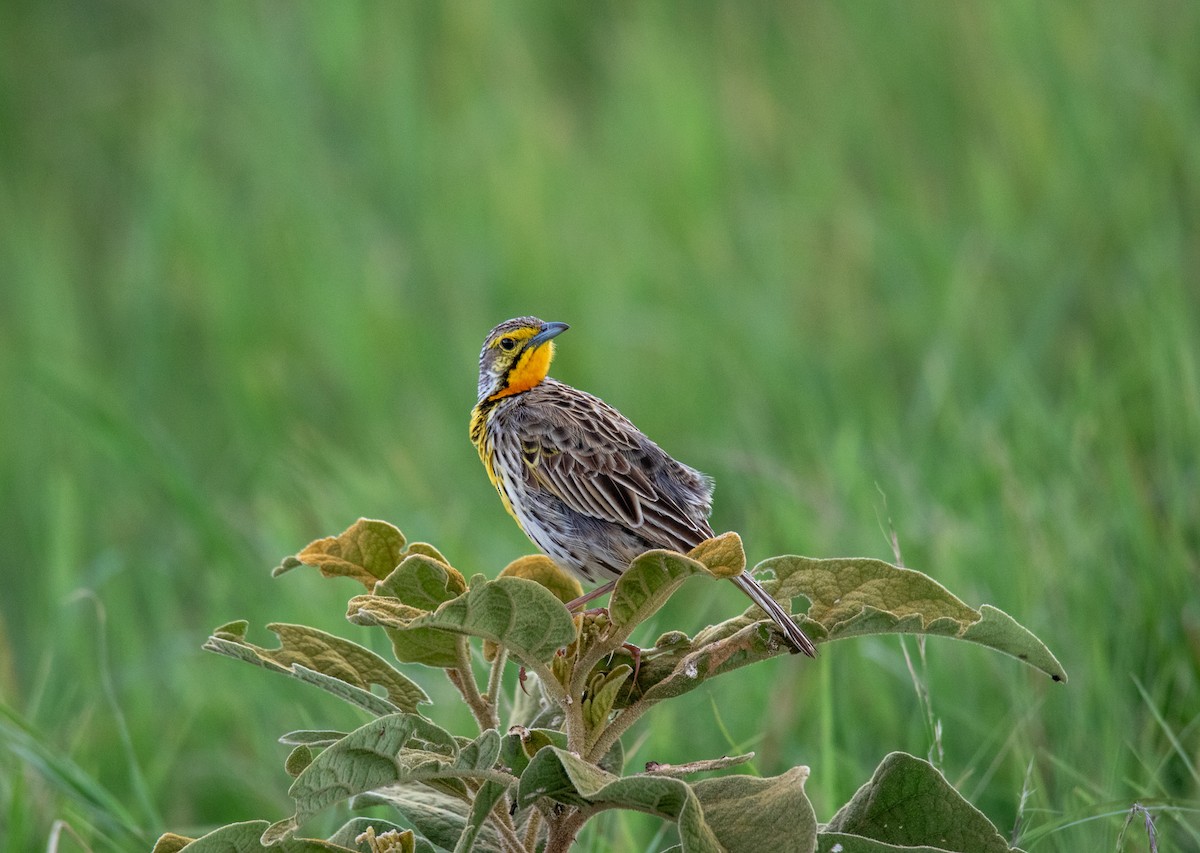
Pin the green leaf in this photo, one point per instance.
(647, 584)
(428, 646)
(481, 753)
(516, 613)
(542, 570)
(247, 838)
(485, 799)
(840, 588)
(997, 630)
(298, 759)
(521, 744)
(427, 550)
(423, 582)
(364, 699)
(909, 802)
(756, 815)
(602, 693)
(840, 842)
(558, 774)
(853, 597)
(312, 737)
(848, 599)
(566, 778)
(367, 551)
(438, 817)
(370, 757)
(512, 756)
(333, 657)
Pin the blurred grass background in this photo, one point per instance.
(929, 262)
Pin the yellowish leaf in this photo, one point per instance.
(722, 555)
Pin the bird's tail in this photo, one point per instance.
(791, 631)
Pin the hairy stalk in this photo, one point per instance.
(498, 776)
(564, 829)
(550, 686)
(531, 831)
(499, 815)
(462, 677)
(574, 724)
(493, 685)
(578, 740)
(508, 834)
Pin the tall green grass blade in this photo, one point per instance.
(100, 807)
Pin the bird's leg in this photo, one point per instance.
(577, 603)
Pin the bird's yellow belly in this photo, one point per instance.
(483, 444)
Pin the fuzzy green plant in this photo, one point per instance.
(542, 764)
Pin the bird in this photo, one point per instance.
(589, 488)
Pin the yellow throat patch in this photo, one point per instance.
(530, 369)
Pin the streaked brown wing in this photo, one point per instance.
(593, 459)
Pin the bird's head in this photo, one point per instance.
(516, 356)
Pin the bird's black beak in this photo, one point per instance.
(548, 331)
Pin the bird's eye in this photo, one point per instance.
(507, 344)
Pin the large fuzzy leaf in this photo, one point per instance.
(245, 837)
(564, 777)
(344, 668)
(437, 816)
(423, 582)
(647, 584)
(516, 613)
(367, 551)
(428, 646)
(852, 597)
(391, 750)
(908, 803)
(755, 815)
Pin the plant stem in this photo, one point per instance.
(577, 736)
(463, 677)
(550, 686)
(564, 830)
(504, 780)
(508, 833)
(501, 817)
(574, 725)
(616, 728)
(494, 681)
